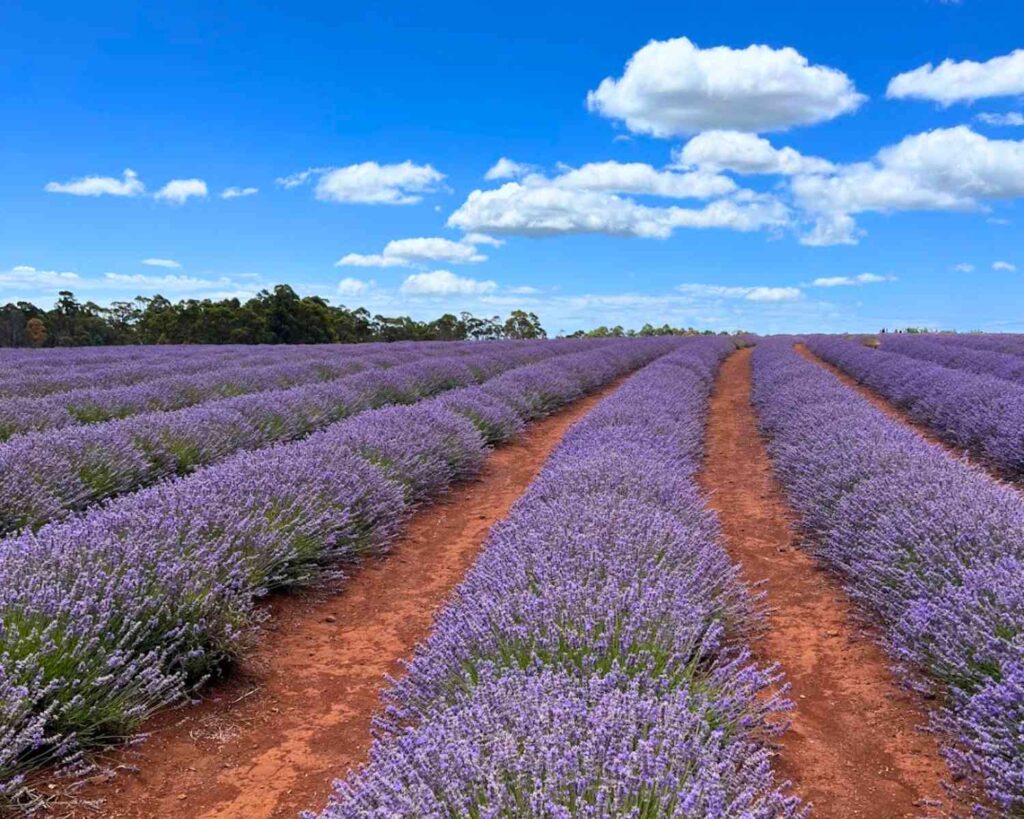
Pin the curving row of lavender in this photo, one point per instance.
(130, 606)
(948, 353)
(27, 379)
(931, 547)
(45, 476)
(19, 415)
(587, 666)
(980, 413)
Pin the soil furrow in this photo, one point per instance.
(297, 714)
(854, 748)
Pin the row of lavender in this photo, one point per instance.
(1010, 343)
(587, 666)
(980, 413)
(19, 415)
(949, 352)
(38, 379)
(933, 548)
(45, 476)
(130, 606)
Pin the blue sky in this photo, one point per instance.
(652, 190)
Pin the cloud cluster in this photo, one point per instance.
(673, 87)
(597, 198)
(944, 169)
(176, 191)
(370, 183)
(950, 82)
(169, 263)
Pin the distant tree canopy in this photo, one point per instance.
(647, 330)
(277, 316)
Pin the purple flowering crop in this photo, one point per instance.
(948, 352)
(931, 547)
(45, 476)
(980, 413)
(128, 607)
(588, 665)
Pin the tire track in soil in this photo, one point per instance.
(297, 714)
(854, 748)
(883, 404)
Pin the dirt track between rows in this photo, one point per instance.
(297, 714)
(854, 748)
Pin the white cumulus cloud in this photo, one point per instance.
(171, 263)
(506, 168)
(179, 191)
(964, 267)
(851, 281)
(950, 81)
(550, 210)
(758, 293)
(1007, 266)
(674, 87)
(350, 287)
(1011, 118)
(370, 183)
(128, 185)
(24, 274)
(444, 283)
(409, 252)
(236, 192)
(745, 153)
(641, 179)
(944, 169)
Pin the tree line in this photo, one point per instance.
(277, 316)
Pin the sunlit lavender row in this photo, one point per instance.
(44, 476)
(931, 547)
(956, 355)
(980, 413)
(30, 378)
(91, 405)
(589, 666)
(131, 606)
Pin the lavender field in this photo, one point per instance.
(603, 646)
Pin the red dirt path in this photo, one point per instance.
(297, 714)
(854, 748)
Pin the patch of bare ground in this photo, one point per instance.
(854, 748)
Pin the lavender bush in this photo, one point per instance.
(45, 476)
(92, 405)
(932, 548)
(947, 351)
(979, 413)
(130, 606)
(588, 665)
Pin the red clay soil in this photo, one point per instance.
(297, 714)
(854, 748)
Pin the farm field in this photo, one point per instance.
(671, 576)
